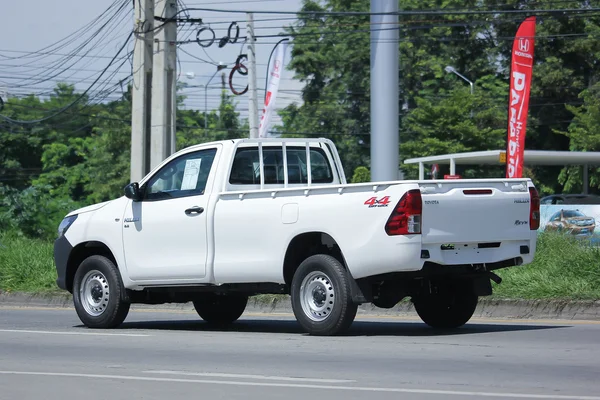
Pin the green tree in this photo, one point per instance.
(108, 160)
(222, 124)
(65, 169)
(335, 70)
(566, 55)
(80, 156)
(456, 121)
(331, 55)
(584, 135)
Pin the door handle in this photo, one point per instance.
(194, 210)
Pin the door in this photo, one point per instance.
(165, 234)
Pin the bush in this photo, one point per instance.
(32, 212)
(361, 175)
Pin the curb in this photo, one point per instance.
(582, 310)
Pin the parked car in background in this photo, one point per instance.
(572, 221)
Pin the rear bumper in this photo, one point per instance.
(481, 253)
(62, 252)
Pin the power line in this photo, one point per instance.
(59, 66)
(63, 109)
(404, 12)
(72, 35)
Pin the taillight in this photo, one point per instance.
(406, 217)
(534, 209)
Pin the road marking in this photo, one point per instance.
(71, 309)
(307, 386)
(73, 333)
(243, 376)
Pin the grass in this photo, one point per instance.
(564, 268)
(26, 265)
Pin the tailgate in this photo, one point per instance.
(478, 211)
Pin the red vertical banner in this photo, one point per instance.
(521, 68)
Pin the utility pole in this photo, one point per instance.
(252, 92)
(3, 91)
(384, 91)
(141, 90)
(164, 84)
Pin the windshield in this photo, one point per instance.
(572, 213)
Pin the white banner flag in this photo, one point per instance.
(275, 71)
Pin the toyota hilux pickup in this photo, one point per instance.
(219, 222)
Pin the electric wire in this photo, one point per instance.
(63, 109)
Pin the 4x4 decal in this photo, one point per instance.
(374, 202)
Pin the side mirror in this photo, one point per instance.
(132, 191)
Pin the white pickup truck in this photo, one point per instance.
(218, 222)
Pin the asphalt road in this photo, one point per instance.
(47, 353)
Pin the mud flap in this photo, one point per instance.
(482, 285)
(360, 293)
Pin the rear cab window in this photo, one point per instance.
(245, 170)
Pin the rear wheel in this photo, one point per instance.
(97, 293)
(221, 309)
(451, 307)
(321, 297)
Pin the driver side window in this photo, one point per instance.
(184, 176)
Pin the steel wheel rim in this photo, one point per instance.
(94, 293)
(317, 296)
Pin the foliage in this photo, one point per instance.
(438, 115)
(33, 212)
(80, 157)
(361, 174)
(457, 122)
(584, 132)
(222, 125)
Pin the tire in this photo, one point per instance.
(452, 308)
(221, 309)
(321, 297)
(97, 293)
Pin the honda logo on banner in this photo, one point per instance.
(275, 70)
(521, 68)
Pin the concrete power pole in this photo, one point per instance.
(164, 84)
(384, 91)
(252, 92)
(141, 90)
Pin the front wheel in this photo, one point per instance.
(321, 297)
(97, 293)
(220, 309)
(448, 309)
